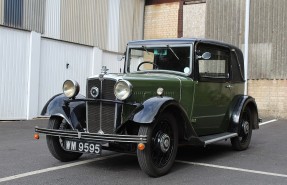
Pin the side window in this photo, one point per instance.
(213, 64)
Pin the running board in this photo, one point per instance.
(217, 137)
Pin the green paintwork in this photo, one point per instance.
(145, 86)
(206, 103)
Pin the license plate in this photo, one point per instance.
(82, 146)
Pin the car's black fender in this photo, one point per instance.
(238, 104)
(153, 107)
(73, 112)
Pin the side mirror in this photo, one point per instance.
(206, 55)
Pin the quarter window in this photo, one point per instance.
(214, 67)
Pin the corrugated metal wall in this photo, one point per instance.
(225, 21)
(23, 14)
(52, 27)
(101, 24)
(131, 21)
(1, 11)
(14, 56)
(267, 34)
(77, 20)
(108, 25)
(267, 39)
(113, 27)
(33, 15)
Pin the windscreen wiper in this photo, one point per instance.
(144, 47)
(172, 52)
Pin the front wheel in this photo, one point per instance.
(162, 140)
(242, 141)
(55, 144)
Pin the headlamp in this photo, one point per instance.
(71, 88)
(123, 89)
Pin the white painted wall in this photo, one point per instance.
(34, 68)
(33, 74)
(111, 61)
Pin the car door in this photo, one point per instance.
(212, 93)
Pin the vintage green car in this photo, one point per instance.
(172, 92)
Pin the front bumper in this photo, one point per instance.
(93, 136)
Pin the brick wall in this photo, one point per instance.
(161, 21)
(270, 96)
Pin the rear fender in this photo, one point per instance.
(238, 105)
(74, 112)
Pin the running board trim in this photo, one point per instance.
(228, 136)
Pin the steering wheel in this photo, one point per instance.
(146, 62)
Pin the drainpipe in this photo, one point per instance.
(246, 39)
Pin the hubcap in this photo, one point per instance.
(245, 126)
(164, 142)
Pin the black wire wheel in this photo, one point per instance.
(162, 140)
(242, 141)
(55, 143)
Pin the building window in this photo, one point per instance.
(13, 12)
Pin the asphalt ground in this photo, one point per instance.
(24, 160)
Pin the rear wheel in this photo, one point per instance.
(162, 139)
(242, 141)
(55, 144)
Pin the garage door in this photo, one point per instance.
(61, 61)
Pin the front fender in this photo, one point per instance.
(74, 112)
(147, 112)
(151, 108)
(239, 103)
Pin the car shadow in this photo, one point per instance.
(128, 162)
(198, 153)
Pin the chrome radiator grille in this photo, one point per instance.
(101, 115)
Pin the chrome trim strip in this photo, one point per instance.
(116, 114)
(180, 88)
(101, 107)
(94, 136)
(220, 138)
(211, 116)
(107, 77)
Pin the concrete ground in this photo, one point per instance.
(28, 161)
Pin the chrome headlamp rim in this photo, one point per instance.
(71, 88)
(127, 94)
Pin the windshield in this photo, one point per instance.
(163, 58)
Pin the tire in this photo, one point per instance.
(158, 156)
(242, 141)
(55, 143)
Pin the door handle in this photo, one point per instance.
(229, 86)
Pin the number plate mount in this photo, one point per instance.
(82, 146)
